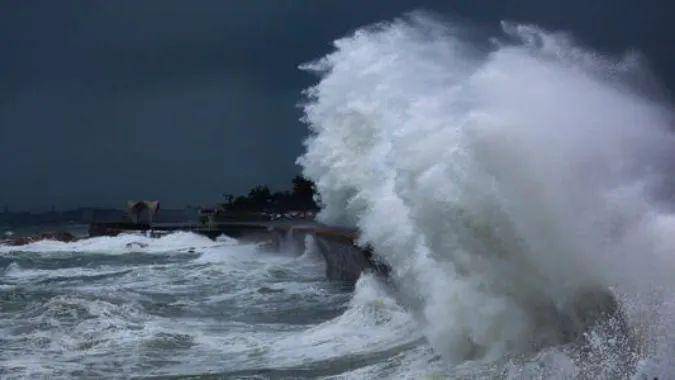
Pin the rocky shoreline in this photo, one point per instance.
(345, 260)
(61, 236)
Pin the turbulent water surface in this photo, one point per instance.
(520, 190)
(183, 304)
(508, 181)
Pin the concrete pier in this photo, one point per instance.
(345, 260)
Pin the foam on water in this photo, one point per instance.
(500, 185)
(226, 308)
(14, 272)
(373, 322)
(124, 243)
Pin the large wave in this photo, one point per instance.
(500, 185)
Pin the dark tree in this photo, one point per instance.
(304, 193)
(260, 197)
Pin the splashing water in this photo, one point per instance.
(503, 187)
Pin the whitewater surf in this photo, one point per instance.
(509, 184)
(185, 305)
(517, 187)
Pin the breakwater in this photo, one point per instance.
(345, 259)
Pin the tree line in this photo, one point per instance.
(302, 197)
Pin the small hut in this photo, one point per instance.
(142, 211)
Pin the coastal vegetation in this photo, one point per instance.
(260, 199)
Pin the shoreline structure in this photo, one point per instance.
(345, 259)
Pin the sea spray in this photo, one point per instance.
(507, 189)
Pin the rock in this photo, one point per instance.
(62, 236)
(136, 244)
(18, 241)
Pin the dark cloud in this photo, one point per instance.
(101, 101)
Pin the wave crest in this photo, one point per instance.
(500, 186)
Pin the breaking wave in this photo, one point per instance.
(124, 243)
(511, 190)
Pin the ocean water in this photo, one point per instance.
(182, 304)
(520, 188)
(508, 180)
(185, 305)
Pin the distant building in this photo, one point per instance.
(142, 211)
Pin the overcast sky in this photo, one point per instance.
(181, 101)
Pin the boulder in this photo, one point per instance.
(62, 236)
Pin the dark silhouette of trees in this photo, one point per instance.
(304, 194)
(261, 199)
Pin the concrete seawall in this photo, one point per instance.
(345, 260)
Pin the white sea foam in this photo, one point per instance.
(228, 252)
(124, 243)
(497, 184)
(232, 303)
(15, 272)
(374, 321)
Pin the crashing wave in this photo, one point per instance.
(509, 189)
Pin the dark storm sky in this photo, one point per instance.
(104, 101)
